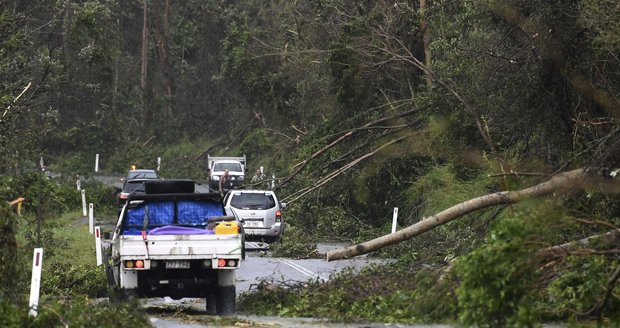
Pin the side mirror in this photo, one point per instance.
(283, 205)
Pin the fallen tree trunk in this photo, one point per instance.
(575, 180)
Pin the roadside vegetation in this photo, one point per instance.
(71, 283)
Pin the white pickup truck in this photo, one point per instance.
(236, 167)
(171, 241)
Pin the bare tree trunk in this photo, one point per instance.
(425, 40)
(144, 48)
(565, 182)
(161, 33)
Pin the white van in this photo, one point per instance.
(259, 211)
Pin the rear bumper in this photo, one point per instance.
(274, 231)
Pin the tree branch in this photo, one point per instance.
(300, 166)
(609, 238)
(326, 179)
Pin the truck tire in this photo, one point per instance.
(118, 295)
(226, 292)
(212, 300)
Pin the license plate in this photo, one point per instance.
(251, 224)
(177, 264)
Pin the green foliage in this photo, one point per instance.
(69, 279)
(8, 250)
(40, 192)
(494, 285)
(378, 294)
(72, 313)
(602, 19)
(256, 145)
(499, 280)
(54, 196)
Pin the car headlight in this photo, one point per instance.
(215, 177)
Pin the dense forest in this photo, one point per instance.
(355, 107)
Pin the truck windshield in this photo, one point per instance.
(236, 167)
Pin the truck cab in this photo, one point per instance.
(236, 167)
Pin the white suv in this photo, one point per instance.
(260, 212)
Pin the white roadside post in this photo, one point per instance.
(394, 219)
(97, 163)
(158, 163)
(78, 182)
(83, 192)
(91, 218)
(98, 245)
(35, 283)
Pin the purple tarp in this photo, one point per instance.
(178, 230)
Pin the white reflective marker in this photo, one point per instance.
(97, 163)
(98, 245)
(394, 219)
(158, 163)
(91, 218)
(35, 283)
(84, 212)
(78, 184)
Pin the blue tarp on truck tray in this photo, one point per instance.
(162, 213)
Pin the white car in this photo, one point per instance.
(259, 211)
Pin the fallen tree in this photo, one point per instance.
(563, 183)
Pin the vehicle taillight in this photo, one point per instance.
(221, 263)
(134, 264)
(232, 263)
(278, 216)
(123, 195)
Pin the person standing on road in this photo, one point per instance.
(258, 178)
(224, 182)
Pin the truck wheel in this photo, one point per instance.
(226, 292)
(212, 300)
(118, 295)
